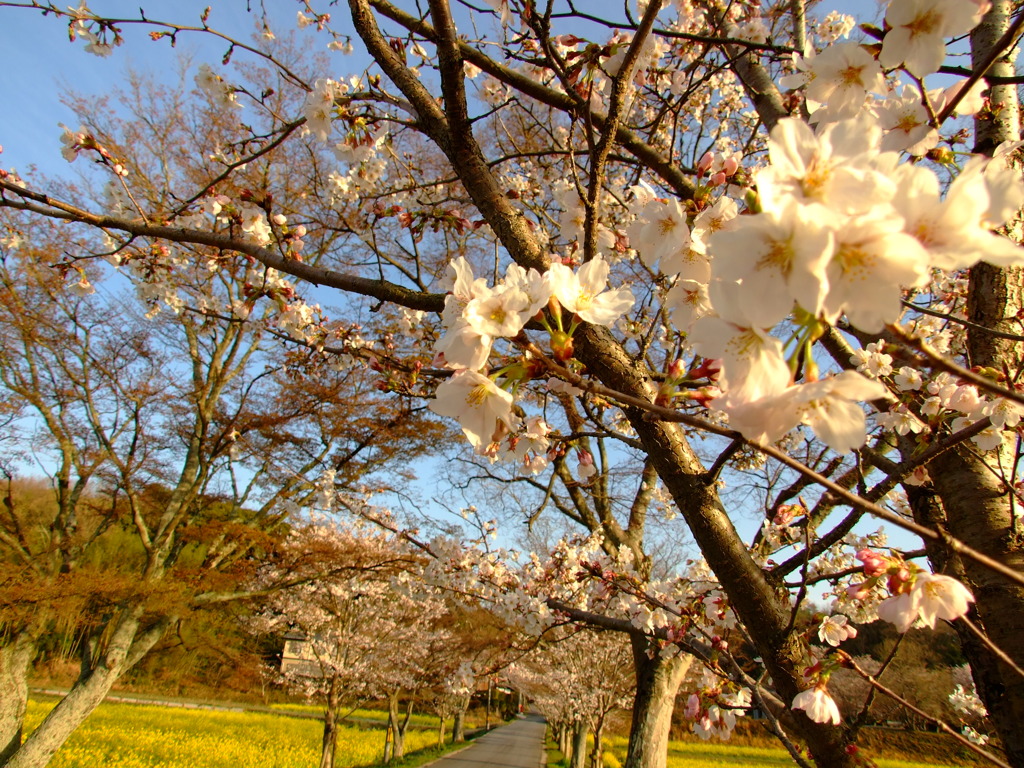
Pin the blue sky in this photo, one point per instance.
(47, 64)
(43, 63)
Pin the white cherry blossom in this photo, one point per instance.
(463, 346)
(688, 301)
(839, 167)
(835, 629)
(872, 361)
(501, 311)
(482, 408)
(874, 260)
(818, 705)
(841, 77)
(777, 258)
(905, 121)
(908, 379)
(932, 597)
(918, 28)
(583, 292)
(753, 364)
(661, 235)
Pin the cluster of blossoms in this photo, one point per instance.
(75, 142)
(895, 591)
(916, 595)
(214, 86)
(841, 229)
(714, 706)
(477, 315)
(942, 398)
(967, 705)
(846, 78)
(85, 25)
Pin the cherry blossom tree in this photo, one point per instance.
(363, 636)
(157, 437)
(734, 236)
(577, 682)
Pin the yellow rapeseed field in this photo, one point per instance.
(140, 736)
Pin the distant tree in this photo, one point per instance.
(727, 235)
(179, 449)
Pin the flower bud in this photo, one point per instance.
(858, 591)
(666, 391)
(898, 581)
(704, 164)
(941, 155)
(561, 346)
(874, 563)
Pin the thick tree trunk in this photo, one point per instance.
(459, 723)
(597, 756)
(125, 646)
(976, 490)
(330, 738)
(398, 726)
(16, 658)
(440, 731)
(657, 682)
(579, 744)
(988, 672)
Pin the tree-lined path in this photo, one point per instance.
(520, 744)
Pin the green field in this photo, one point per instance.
(724, 755)
(141, 736)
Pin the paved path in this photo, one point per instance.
(520, 744)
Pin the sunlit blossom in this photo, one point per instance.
(482, 408)
(584, 292)
(818, 705)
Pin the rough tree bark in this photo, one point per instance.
(101, 667)
(16, 657)
(330, 736)
(974, 495)
(657, 681)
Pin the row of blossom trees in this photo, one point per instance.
(766, 260)
(373, 631)
(178, 445)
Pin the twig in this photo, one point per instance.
(941, 725)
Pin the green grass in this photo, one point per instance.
(142, 736)
(722, 755)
